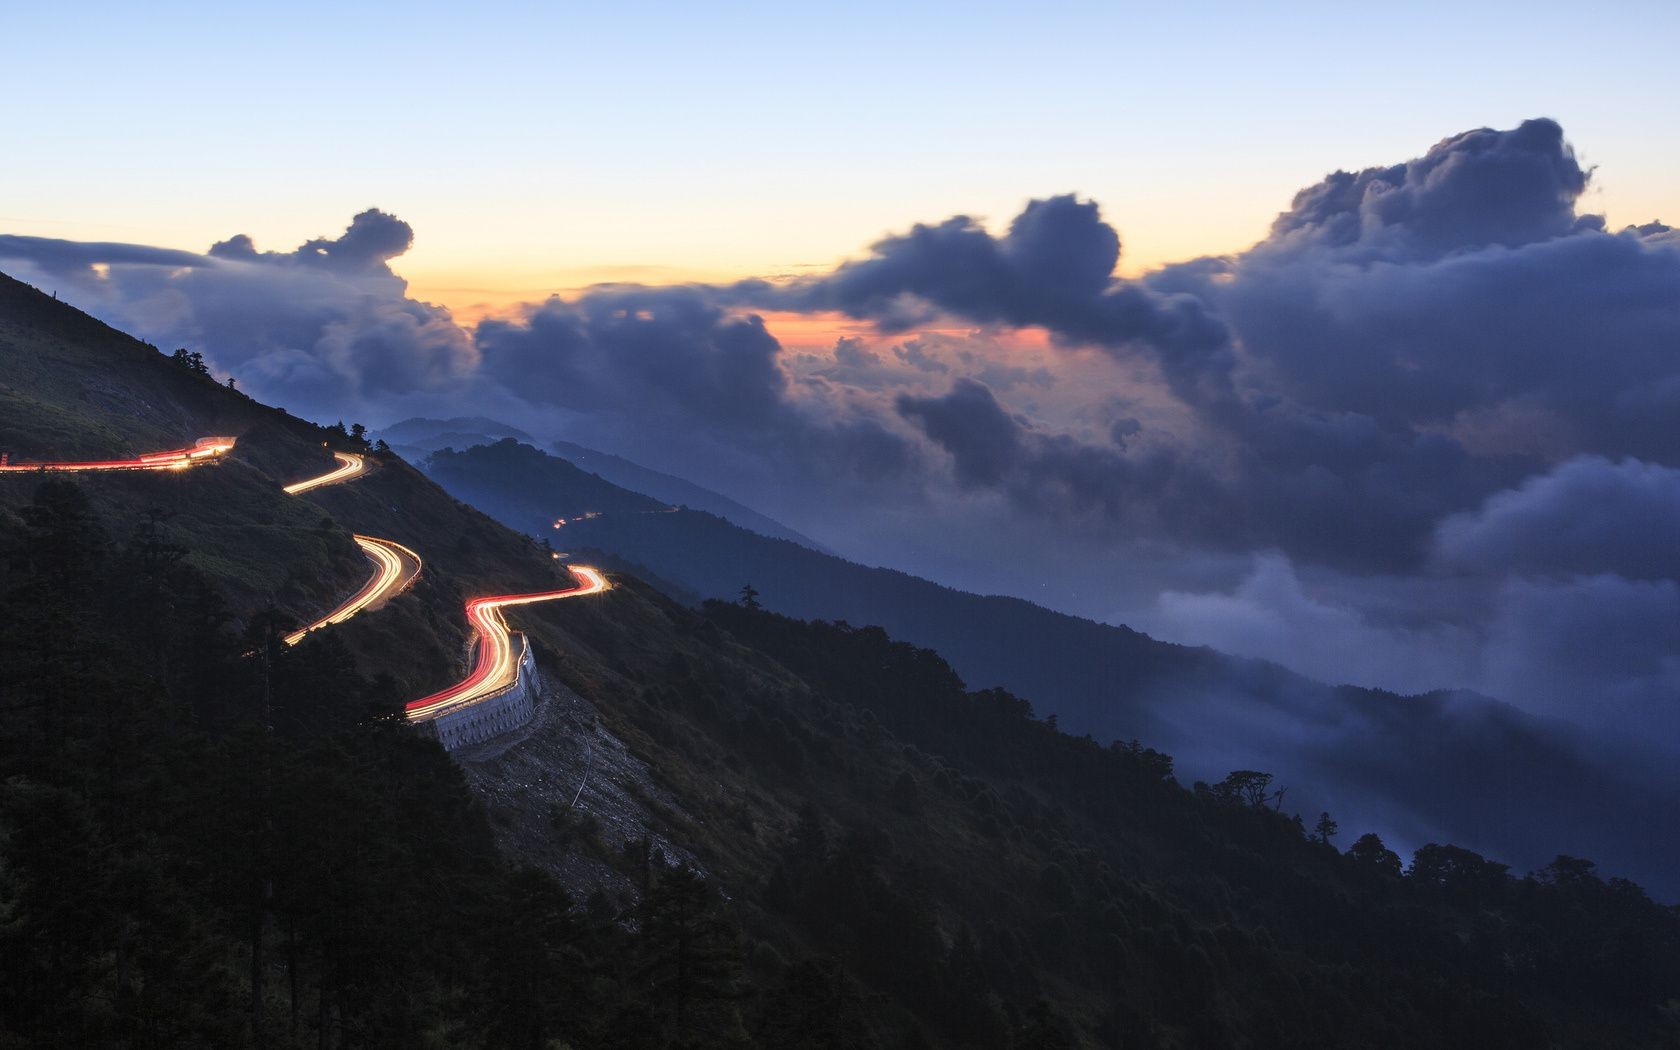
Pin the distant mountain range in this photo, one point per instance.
(418, 437)
(1442, 765)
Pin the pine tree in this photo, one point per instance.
(1325, 829)
(689, 962)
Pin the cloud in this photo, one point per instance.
(1587, 516)
(372, 240)
(1271, 615)
(327, 328)
(1600, 650)
(675, 360)
(984, 442)
(70, 257)
(1053, 269)
(1478, 188)
(1407, 341)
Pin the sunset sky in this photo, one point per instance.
(546, 147)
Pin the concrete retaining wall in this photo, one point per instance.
(493, 716)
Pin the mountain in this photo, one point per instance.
(1453, 765)
(677, 491)
(418, 437)
(724, 827)
(420, 434)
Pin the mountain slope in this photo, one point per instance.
(417, 438)
(1447, 765)
(678, 491)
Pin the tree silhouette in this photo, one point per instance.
(689, 961)
(1325, 829)
(749, 597)
(1369, 852)
(1244, 787)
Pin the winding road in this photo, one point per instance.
(395, 567)
(350, 465)
(203, 451)
(495, 668)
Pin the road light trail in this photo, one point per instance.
(203, 451)
(495, 668)
(395, 568)
(349, 465)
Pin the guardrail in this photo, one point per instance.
(494, 715)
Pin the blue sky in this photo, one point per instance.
(545, 146)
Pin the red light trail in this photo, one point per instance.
(205, 450)
(495, 668)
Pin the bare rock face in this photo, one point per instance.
(566, 795)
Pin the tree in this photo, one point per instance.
(906, 796)
(689, 961)
(1369, 852)
(230, 384)
(1244, 787)
(1325, 829)
(358, 434)
(817, 1007)
(749, 597)
(1458, 872)
(1568, 871)
(1041, 1029)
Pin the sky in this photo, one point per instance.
(546, 147)
(1345, 337)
